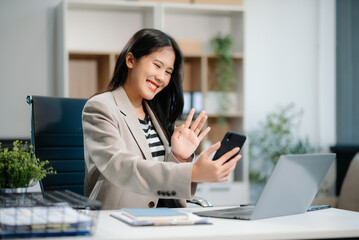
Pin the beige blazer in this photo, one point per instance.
(120, 171)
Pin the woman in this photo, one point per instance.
(134, 155)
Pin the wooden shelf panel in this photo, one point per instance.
(100, 5)
(226, 115)
(192, 74)
(203, 9)
(218, 130)
(89, 73)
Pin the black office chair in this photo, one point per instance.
(56, 134)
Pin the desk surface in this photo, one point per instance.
(327, 223)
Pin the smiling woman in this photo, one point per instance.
(135, 156)
(147, 76)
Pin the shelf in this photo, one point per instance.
(202, 9)
(236, 56)
(108, 20)
(203, 22)
(226, 115)
(100, 5)
(91, 52)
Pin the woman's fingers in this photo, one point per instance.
(206, 170)
(204, 133)
(228, 168)
(189, 118)
(199, 122)
(197, 125)
(212, 148)
(228, 155)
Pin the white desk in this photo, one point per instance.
(328, 223)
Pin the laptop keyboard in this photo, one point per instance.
(239, 213)
(243, 213)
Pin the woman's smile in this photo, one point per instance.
(152, 85)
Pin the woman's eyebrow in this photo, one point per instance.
(157, 60)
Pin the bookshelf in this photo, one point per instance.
(92, 33)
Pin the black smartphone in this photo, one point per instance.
(230, 140)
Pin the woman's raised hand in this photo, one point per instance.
(186, 138)
(206, 170)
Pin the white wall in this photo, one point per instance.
(290, 57)
(27, 40)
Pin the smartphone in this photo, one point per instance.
(230, 140)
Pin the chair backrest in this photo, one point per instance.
(349, 194)
(56, 134)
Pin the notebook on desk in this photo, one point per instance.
(291, 188)
(157, 217)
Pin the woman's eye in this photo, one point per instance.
(169, 73)
(158, 66)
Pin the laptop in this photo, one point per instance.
(290, 189)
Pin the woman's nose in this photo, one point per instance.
(160, 76)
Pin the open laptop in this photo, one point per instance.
(290, 189)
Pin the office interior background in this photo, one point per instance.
(294, 51)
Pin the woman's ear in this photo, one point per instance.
(130, 60)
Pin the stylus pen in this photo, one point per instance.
(318, 207)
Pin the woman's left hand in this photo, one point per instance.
(186, 138)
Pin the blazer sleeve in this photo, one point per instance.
(106, 151)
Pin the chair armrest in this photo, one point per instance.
(200, 201)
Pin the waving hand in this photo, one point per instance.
(187, 137)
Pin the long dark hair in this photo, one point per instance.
(167, 104)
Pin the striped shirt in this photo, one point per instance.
(154, 142)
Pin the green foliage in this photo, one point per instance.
(225, 74)
(275, 137)
(224, 68)
(20, 168)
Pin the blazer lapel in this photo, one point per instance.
(131, 120)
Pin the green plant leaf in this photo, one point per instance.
(274, 137)
(225, 73)
(20, 168)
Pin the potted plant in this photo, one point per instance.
(225, 75)
(20, 169)
(274, 137)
